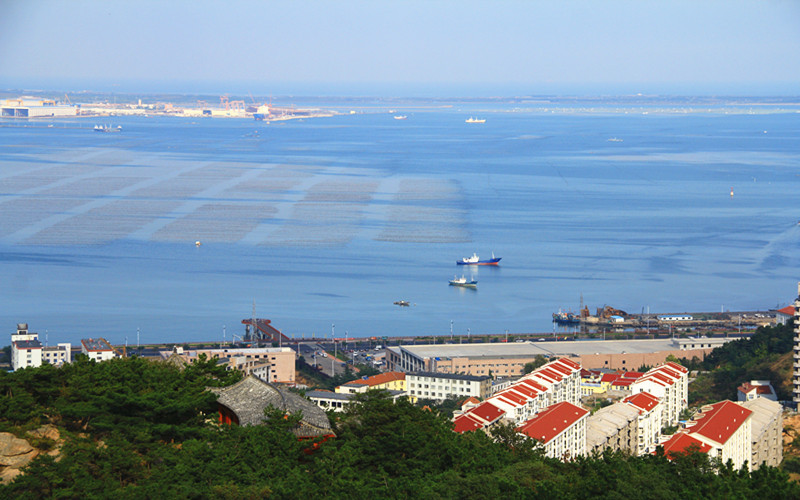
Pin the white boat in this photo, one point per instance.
(107, 128)
(462, 281)
(400, 117)
(475, 120)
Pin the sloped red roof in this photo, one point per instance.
(487, 411)
(549, 373)
(680, 442)
(466, 423)
(381, 378)
(668, 371)
(609, 377)
(642, 400)
(513, 396)
(633, 375)
(472, 400)
(552, 421)
(561, 368)
(525, 390)
(567, 361)
(719, 421)
(677, 367)
(533, 384)
(788, 310)
(621, 382)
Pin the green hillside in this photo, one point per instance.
(131, 428)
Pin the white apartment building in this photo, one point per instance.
(561, 378)
(521, 401)
(723, 430)
(561, 428)
(440, 386)
(28, 351)
(98, 349)
(649, 421)
(669, 383)
(766, 427)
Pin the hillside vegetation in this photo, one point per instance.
(767, 355)
(131, 428)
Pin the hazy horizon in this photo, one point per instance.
(406, 49)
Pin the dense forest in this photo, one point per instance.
(764, 356)
(132, 428)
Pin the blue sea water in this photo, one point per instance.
(328, 221)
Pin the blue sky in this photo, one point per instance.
(403, 47)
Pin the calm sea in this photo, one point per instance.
(324, 223)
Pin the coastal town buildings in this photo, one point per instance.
(440, 386)
(756, 389)
(561, 428)
(28, 351)
(723, 430)
(614, 427)
(98, 349)
(766, 431)
(649, 409)
(509, 359)
(271, 364)
(670, 383)
(391, 381)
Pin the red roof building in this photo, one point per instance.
(680, 443)
(561, 428)
(725, 430)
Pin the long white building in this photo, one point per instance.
(669, 383)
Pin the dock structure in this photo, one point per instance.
(260, 330)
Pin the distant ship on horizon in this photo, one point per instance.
(475, 120)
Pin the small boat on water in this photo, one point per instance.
(400, 117)
(462, 281)
(475, 120)
(401, 303)
(107, 128)
(476, 261)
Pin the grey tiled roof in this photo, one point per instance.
(249, 398)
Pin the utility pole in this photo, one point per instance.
(137, 337)
(451, 329)
(333, 361)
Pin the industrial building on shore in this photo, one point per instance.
(509, 359)
(36, 108)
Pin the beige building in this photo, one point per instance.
(508, 359)
(767, 432)
(276, 363)
(391, 381)
(440, 386)
(614, 427)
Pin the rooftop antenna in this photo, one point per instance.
(223, 334)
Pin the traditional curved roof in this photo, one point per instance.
(249, 397)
